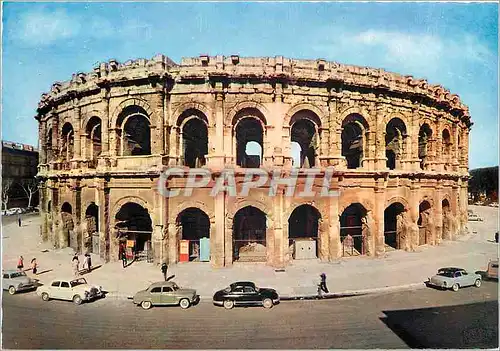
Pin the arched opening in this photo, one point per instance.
(91, 234)
(395, 142)
(446, 225)
(424, 135)
(195, 142)
(249, 130)
(303, 227)
(249, 235)
(133, 224)
(48, 146)
(446, 140)
(67, 142)
(195, 225)
(353, 129)
(424, 222)
(134, 132)
(352, 225)
(49, 206)
(393, 231)
(93, 142)
(68, 227)
(305, 135)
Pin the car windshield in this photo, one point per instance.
(78, 281)
(175, 287)
(448, 274)
(18, 274)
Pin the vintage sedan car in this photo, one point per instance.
(14, 281)
(475, 218)
(454, 279)
(165, 293)
(245, 294)
(492, 271)
(76, 290)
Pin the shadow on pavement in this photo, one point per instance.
(459, 326)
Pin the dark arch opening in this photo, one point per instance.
(395, 138)
(195, 143)
(424, 135)
(92, 228)
(353, 128)
(303, 227)
(446, 140)
(48, 146)
(249, 130)
(391, 234)
(134, 223)
(134, 131)
(68, 140)
(94, 140)
(351, 229)
(446, 224)
(249, 235)
(195, 225)
(304, 133)
(68, 226)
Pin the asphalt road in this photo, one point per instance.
(421, 318)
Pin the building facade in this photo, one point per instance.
(19, 169)
(398, 147)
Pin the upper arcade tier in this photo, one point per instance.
(270, 69)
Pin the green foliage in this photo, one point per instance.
(484, 180)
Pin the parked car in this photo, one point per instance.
(15, 281)
(76, 290)
(492, 271)
(245, 294)
(454, 278)
(165, 293)
(475, 217)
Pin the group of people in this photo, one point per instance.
(86, 265)
(34, 265)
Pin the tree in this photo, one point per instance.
(6, 186)
(30, 187)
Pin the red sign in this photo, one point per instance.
(184, 251)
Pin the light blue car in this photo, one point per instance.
(15, 281)
(454, 278)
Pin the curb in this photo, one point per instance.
(337, 295)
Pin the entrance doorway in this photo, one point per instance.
(424, 222)
(249, 235)
(303, 232)
(134, 230)
(351, 230)
(195, 225)
(391, 235)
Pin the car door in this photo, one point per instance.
(155, 294)
(468, 279)
(250, 296)
(54, 290)
(6, 281)
(65, 291)
(237, 296)
(167, 296)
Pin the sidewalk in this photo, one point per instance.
(359, 275)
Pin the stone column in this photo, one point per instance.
(280, 237)
(217, 240)
(173, 243)
(380, 161)
(159, 116)
(378, 231)
(333, 223)
(42, 148)
(414, 233)
(104, 127)
(218, 159)
(455, 211)
(438, 213)
(56, 152)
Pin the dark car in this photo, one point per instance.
(245, 294)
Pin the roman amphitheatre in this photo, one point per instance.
(398, 146)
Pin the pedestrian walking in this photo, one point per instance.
(19, 219)
(20, 263)
(34, 266)
(322, 285)
(122, 255)
(75, 263)
(87, 263)
(164, 268)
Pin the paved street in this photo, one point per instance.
(394, 320)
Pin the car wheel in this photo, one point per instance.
(267, 303)
(228, 304)
(184, 304)
(146, 305)
(455, 287)
(477, 283)
(12, 290)
(45, 297)
(77, 300)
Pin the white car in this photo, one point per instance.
(475, 217)
(76, 290)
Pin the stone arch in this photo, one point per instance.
(67, 238)
(354, 140)
(245, 106)
(191, 204)
(395, 142)
(67, 141)
(192, 138)
(133, 131)
(399, 115)
(90, 114)
(367, 204)
(191, 106)
(93, 137)
(394, 227)
(129, 103)
(425, 221)
(193, 224)
(308, 107)
(399, 199)
(122, 201)
(250, 239)
(355, 229)
(244, 203)
(304, 222)
(249, 125)
(288, 212)
(354, 111)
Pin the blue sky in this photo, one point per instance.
(452, 44)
